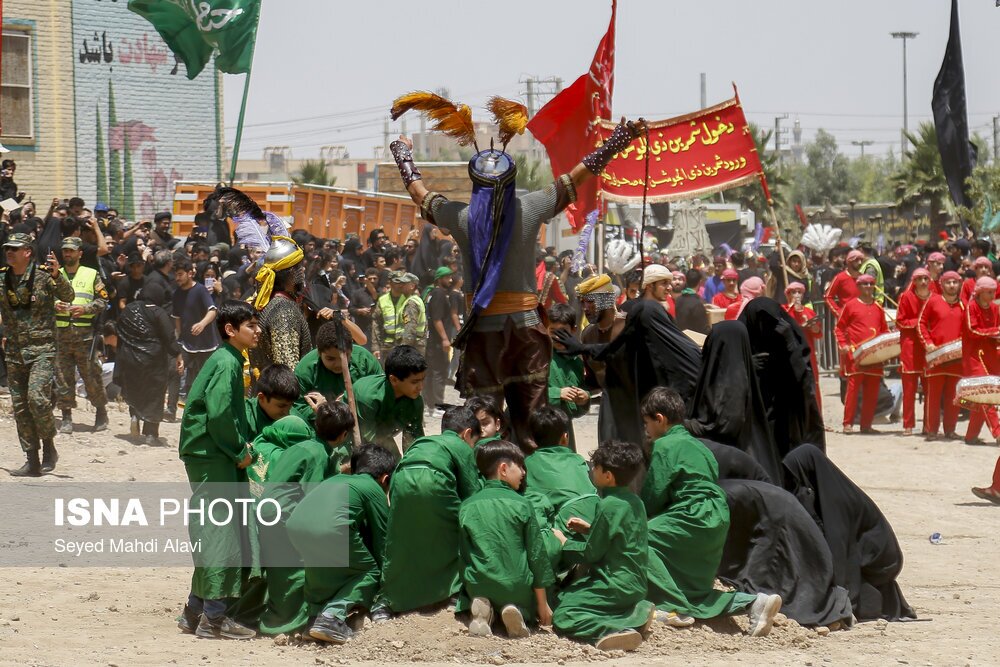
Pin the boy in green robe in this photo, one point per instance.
(608, 604)
(489, 415)
(344, 512)
(390, 403)
(434, 476)
(688, 523)
(277, 391)
(566, 372)
(322, 371)
(295, 473)
(558, 480)
(214, 446)
(503, 558)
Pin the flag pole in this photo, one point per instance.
(243, 107)
(774, 223)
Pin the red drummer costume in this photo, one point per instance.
(911, 357)
(795, 295)
(861, 320)
(941, 322)
(983, 268)
(844, 288)
(729, 294)
(935, 264)
(979, 353)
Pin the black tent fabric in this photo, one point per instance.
(774, 546)
(866, 556)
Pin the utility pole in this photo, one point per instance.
(538, 90)
(996, 135)
(863, 143)
(385, 136)
(904, 36)
(704, 90)
(777, 134)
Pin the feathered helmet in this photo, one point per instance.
(455, 120)
(227, 202)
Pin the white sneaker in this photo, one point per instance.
(514, 622)
(762, 613)
(482, 618)
(627, 640)
(674, 620)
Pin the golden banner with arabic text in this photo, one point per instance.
(697, 154)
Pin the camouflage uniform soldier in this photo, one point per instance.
(28, 309)
(413, 318)
(75, 338)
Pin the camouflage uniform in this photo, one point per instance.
(31, 348)
(413, 324)
(75, 351)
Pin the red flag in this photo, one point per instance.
(567, 125)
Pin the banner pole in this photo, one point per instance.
(774, 223)
(243, 107)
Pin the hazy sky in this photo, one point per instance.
(326, 71)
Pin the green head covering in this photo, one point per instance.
(286, 432)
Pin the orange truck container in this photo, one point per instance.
(325, 212)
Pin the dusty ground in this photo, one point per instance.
(81, 616)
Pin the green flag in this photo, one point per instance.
(193, 29)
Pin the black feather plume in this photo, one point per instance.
(234, 203)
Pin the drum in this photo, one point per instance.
(945, 354)
(878, 350)
(983, 390)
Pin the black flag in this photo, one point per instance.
(958, 154)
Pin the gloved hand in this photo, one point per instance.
(624, 134)
(760, 361)
(573, 347)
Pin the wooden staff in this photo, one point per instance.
(346, 341)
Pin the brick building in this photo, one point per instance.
(94, 104)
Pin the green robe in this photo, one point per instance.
(566, 371)
(558, 485)
(381, 415)
(321, 527)
(503, 556)
(301, 466)
(314, 376)
(257, 419)
(611, 596)
(212, 441)
(688, 524)
(422, 562)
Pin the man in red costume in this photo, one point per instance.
(983, 267)
(935, 264)
(844, 288)
(861, 319)
(941, 321)
(795, 295)
(911, 358)
(729, 294)
(979, 353)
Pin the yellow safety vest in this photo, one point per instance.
(390, 317)
(872, 263)
(83, 289)
(421, 318)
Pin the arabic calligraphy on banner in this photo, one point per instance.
(697, 154)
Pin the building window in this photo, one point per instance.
(16, 112)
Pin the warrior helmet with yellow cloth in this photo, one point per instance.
(598, 290)
(281, 261)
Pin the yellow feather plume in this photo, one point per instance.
(511, 116)
(455, 121)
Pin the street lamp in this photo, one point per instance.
(904, 36)
(863, 143)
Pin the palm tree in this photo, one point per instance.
(921, 179)
(532, 174)
(313, 172)
(751, 196)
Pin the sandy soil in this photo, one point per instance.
(91, 616)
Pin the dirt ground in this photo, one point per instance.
(102, 616)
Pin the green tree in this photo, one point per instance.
(313, 172)
(116, 191)
(532, 174)
(128, 198)
(751, 195)
(102, 162)
(825, 174)
(920, 177)
(870, 178)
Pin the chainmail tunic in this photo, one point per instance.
(518, 273)
(284, 334)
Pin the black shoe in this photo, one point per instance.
(66, 425)
(222, 627)
(187, 622)
(32, 468)
(381, 615)
(329, 629)
(169, 417)
(101, 422)
(50, 457)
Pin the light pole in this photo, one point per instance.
(863, 143)
(904, 36)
